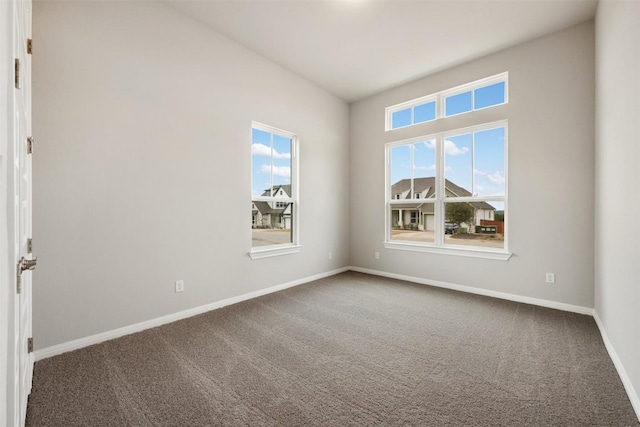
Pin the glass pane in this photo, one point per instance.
(260, 162)
(400, 171)
(424, 169)
(271, 223)
(412, 222)
(474, 224)
(401, 118)
(424, 112)
(281, 165)
(489, 95)
(489, 161)
(457, 104)
(458, 165)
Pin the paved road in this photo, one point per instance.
(262, 237)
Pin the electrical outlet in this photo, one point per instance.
(179, 285)
(376, 255)
(330, 255)
(551, 278)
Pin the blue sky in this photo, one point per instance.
(265, 149)
(482, 97)
(485, 148)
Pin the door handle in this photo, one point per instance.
(27, 264)
(23, 265)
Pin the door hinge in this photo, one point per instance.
(30, 145)
(17, 73)
(29, 46)
(30, 246)
(30, 345)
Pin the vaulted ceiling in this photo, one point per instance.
(356, 48)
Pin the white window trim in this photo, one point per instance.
(438, 245)
(260, 252)
(439, 98)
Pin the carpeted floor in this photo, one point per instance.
(351, 349)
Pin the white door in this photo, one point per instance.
(20, 359)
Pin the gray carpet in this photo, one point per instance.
(351, 349)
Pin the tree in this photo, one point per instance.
(457, 213)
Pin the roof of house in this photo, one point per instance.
(276, 188)
(427, 188)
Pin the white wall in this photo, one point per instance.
(142, 168)
(551, 171)
(617, 270)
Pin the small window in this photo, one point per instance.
(417, 195)
(458, 104)
(273, 181)
(401, 118)
(424, 113)
(483, 93)
(489, 96)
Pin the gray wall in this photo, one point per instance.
(617, 277)
(551, 171)
(142, 167)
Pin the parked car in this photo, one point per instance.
(450, 228)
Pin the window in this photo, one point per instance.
(274, 191)
(488, 95)
(484, 93)
(458, 182)
(424, 112)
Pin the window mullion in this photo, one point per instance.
(439, 206)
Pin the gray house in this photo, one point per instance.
(420, 215)
(272, 214)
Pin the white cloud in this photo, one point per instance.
(265, 151)
(431, 144)
(496, 177)
(451, 149)
(284, 171)
(425, 168)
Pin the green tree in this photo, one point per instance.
(458, 213)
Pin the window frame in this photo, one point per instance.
(259, 252)
(440, 98)
(440, 199)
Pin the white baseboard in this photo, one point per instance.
(116, 333)
(626, 381)
(480, 291)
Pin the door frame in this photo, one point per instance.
(14, 14)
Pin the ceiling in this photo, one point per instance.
(356, 48)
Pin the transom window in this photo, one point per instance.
(274, 190)
(449, 189)
(484, 93)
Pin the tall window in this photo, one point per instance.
(274, 189)
(449, 189)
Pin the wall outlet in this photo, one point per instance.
(551, 278)
(330, 255)
(376, 255)
(179, 285)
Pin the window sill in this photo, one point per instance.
(274, 251)
(500, 255)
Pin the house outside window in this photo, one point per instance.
(458, 182)
(274, 172)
